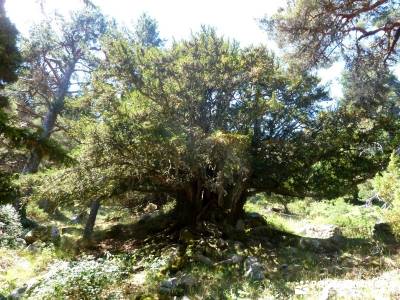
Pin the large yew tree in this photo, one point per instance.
(211, 123)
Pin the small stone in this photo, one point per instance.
(151, 207)
(170, 283)
(253, 269)
(20, 242)
(187, 281)
(203, 259)
(18, 293)
(54, 233)
(79, 218)
(321, 231)
(34, 247)
(236, 259)
(42, 233)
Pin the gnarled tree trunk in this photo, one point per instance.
(197, 203)
(35, 157)
(50, 119)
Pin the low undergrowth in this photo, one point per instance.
(153, 260)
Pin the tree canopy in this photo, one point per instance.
(211, 123)
(58, 58)
(320, 31)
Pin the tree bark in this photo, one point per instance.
(56, 107)
(35, 157)
(197, 203)
(94, 208)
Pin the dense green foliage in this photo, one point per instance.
(85, 279)
(210, 123)
(10, 226)
(387, 187)
(9, 61)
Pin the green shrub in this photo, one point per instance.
(387, 185)
(355, 221)
(8, 191)
(84, 279)
(10, 226)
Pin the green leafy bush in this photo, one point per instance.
(10, 226)
(387, 185)
(8, 191)
(84, 279)
(355, 221)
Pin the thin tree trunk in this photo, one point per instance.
(94, 208)
(50, 119)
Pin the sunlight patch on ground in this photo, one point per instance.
(385, 286)
(139, 278)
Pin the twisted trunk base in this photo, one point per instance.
(196, 204)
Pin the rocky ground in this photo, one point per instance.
(253, 260)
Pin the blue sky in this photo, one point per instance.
(236, 19)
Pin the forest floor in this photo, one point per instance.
(268, 256)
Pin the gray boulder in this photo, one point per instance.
(168, 286)
(234, 259)
(321, 238)
(321, 231)
(42, 233)
(253, 269)
(55, 233)
(203, 259)
(79, 218)
(35, 246)
(20, 242)
(187, 281)
(18, 293)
